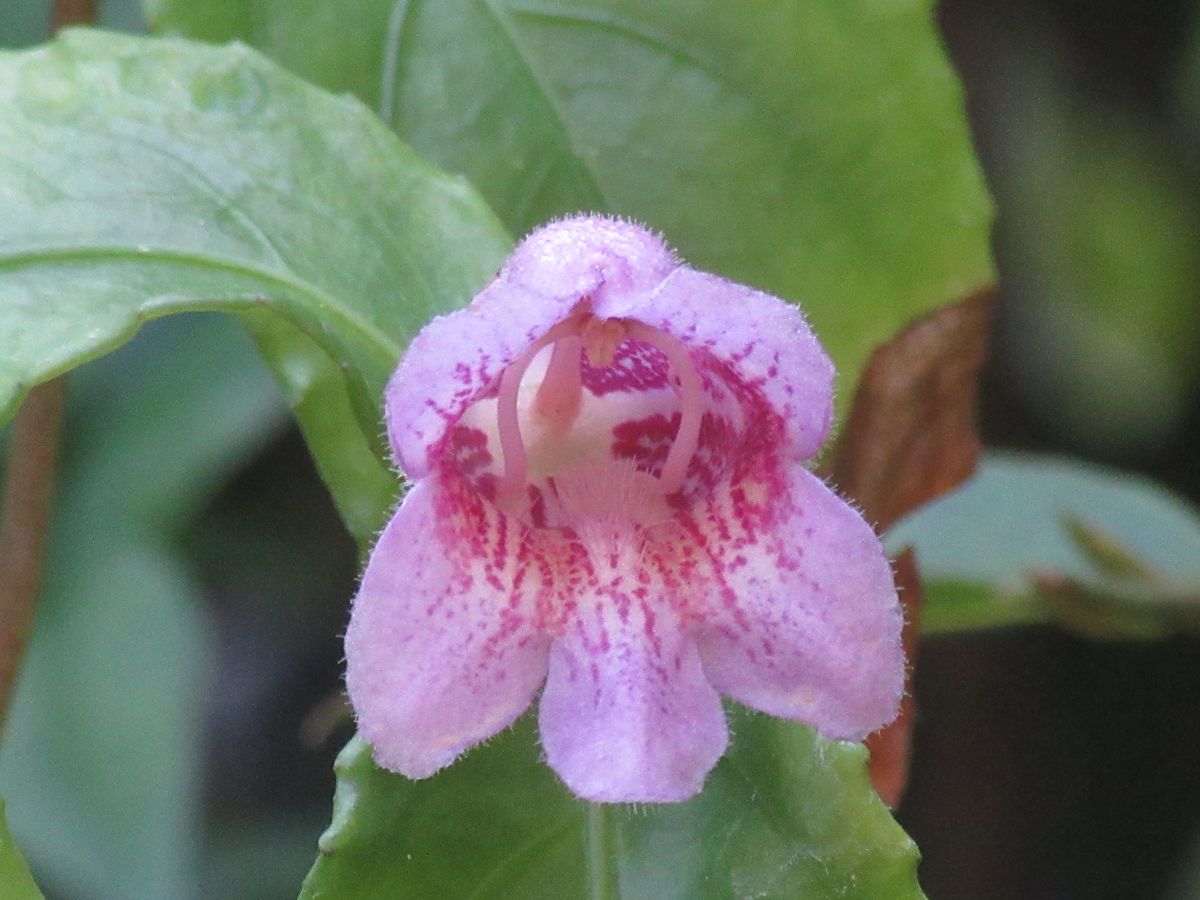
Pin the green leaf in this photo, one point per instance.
(957, 604)
(101, 761)
(817, 150)
(203, 404)
(1034, 540)
(14, 871)
(335, 45)
(1121, 608)
(149, 177)
(785, 814)
(1103, 552)
(1101, 609)
(121, 15)
(1008, 521)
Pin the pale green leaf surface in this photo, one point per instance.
(15, 878)
(1032, 540)
(143, 178)
(101, 762)
(817, 150)
(785, 815)
(336, 45)
(1008, 521)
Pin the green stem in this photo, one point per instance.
(602, 882)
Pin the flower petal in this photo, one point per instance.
(549, 274)
(627, 714)
(443, 649)
(568, 256)
(765, 341)
(427, 393)
(802, 615)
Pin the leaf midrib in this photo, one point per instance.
(486, 885)
(401, 12)
(541, 83)
(322, 299)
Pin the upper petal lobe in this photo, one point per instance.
(457, 357)
(609, 269)
(764, 341)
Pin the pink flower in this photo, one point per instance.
(608, 498)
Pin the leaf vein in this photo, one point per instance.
(370, 332)
(542, 84)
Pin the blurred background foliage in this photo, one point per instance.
(1046, 765)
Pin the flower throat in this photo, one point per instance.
(556, 436)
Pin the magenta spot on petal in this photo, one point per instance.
(645, 441)
(636, 366)
(467, 450)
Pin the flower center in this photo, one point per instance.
(558, 414)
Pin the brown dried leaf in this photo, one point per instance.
(891, 747)
(911, 432)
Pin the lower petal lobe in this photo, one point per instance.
(443, 649)
(627, 714)
(800, 617)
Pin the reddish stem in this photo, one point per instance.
(72, 12)
(891, 747)
(24, 521)
(29, 481)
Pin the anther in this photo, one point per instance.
(602, 337)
